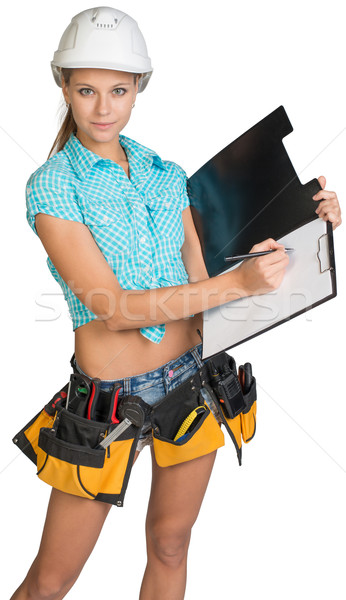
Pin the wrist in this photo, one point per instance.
(234, 286)
(239, 282)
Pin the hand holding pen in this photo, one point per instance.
(265, 272)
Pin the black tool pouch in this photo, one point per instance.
(234, 396)
(183, 426)
(65, 446)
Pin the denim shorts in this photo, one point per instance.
(153, 385)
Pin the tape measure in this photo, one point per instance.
(190, 419)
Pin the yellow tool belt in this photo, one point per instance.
(84, 440)
(183, 425)
(67, 450)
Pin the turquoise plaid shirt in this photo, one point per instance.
(137, 222)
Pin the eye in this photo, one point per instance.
(86, 91)
(119, 91)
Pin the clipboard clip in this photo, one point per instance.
(324, 253)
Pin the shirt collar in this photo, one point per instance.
(138, 152)
(83, 160)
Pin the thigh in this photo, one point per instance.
(72, 527)
(71, 530)
(177, 493)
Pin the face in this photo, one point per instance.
(101, 102)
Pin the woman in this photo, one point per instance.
(116, 224)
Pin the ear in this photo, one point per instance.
(137, 84)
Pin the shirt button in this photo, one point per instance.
(146, 268)
(143, 239)
(106, 219)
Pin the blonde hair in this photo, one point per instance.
(68, 125)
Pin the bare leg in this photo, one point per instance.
(71, 530)
(176, 497)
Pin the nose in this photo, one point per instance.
(103, 104)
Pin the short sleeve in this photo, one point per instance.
(185, 201)
(49, 193)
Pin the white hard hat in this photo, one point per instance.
(103, 38)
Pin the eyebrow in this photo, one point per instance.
(112, 86)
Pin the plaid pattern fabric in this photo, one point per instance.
(137, 222)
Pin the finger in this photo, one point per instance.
(322, 181)
(268, 244)
(324, 195)
(337, 223)
(328, 205)
(334, 218)
(278, 268)
(279, 258)
(274, 274)
(329, 216)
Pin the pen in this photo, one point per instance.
(252, 255)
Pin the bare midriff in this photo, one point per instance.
(117, 354)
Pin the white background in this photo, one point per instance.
(276, 526)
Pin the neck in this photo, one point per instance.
(109, 150)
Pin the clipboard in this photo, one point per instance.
(246, 193)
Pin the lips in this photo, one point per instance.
(103, 125)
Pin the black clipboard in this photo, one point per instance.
(250, 191)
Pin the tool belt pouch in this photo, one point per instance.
(65, 447)
(183, 426)
(248, 416)
(234, 396)
(70, 458)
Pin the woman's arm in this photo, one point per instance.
(81, 264)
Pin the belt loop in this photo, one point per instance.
(126, 386)
(197, 357)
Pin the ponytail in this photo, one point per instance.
(68, 125)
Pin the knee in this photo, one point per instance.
(168, 544)
(47, 586)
